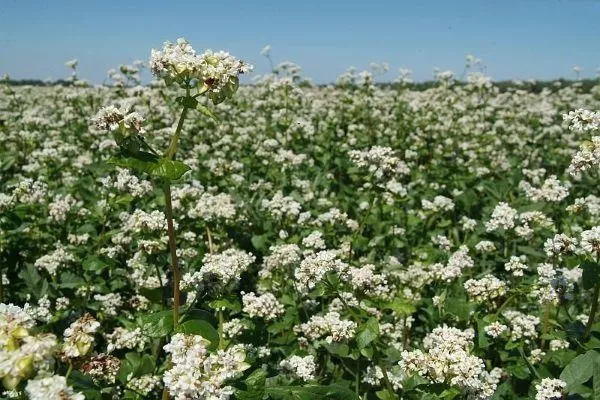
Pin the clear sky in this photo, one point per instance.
(524, 39)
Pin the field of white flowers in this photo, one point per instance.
(193, 239)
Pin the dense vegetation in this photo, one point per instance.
(348, 241)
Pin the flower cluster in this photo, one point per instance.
(330, 327)
(301, 367)
(198, 374)
(264, 306)
(22, 353)
(447, 360)
(216, 72)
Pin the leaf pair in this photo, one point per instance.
(150, 164)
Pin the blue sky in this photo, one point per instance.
(525, 39)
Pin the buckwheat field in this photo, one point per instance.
(195, 238)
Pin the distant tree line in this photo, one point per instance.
(537, 86)
(38, 82)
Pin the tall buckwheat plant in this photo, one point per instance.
(214, 75)
(211, 74)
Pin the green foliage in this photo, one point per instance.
(143, 162)
(366, 213)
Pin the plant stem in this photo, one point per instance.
(592, 317)
(173, 146)
(173, 250)
(545, 323)
(508, 300)
(529, 365)
(1, 286)
(357, 382)
(210, 243)
(175, 139)
(221, 339)
(387, 382)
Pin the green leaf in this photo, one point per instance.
(367, 352)
(482, 339)
(69, 280)
(124, 199)
(580, 370)
(232, 305)
(188, 102)
(94, 264)
(338, 349)
(147, 365)
(460, 308)
(401, 307)
(84, 384)
(259, 242)
(158, 324)
(385, 395)
(150, 164)
(124, 371)
(169, 169)
(519, 371)
(367, 333)
(140, 161)
(596, 379)
(34, 281)
(135, 365)
(310, 392)
(80, 381)
(207, 111)
(254, 385)
(200, 327)
(135, 360)
(450, 394)
(256, 379)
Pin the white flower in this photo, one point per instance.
(560, 244)
(503, 217)
(587, 157)
(217, 72)
(226, 266)
(550, 389)
(495, 329)
(522, 326)
(447, 360)
(379, 161)
(487, 288)
(51, 387)
(439, 203)
(582, 120)
(264, 306)
(516, 265)
(79, 337)
(112, 118)
(558, 344)
(302, 367)
(122, 338)
(590, 241)
(144, 384)
(55, 260)
(197, 374)
(330, 327)
(314, 268)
